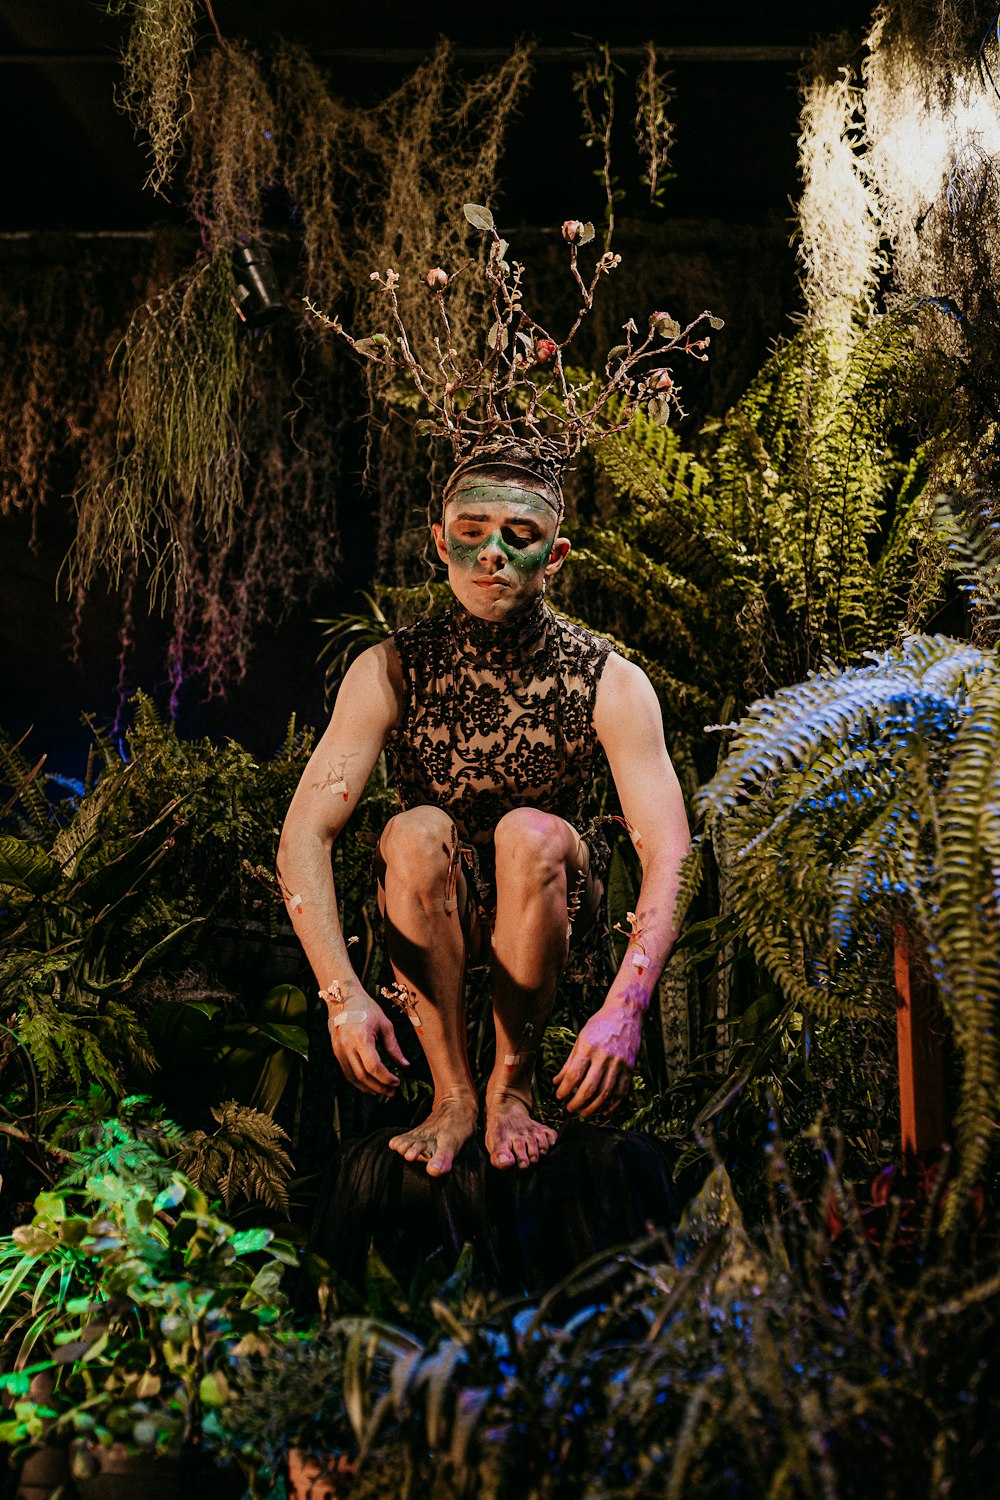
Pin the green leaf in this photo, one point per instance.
(158, 949)
(249, 1240)
(758, 1016)
(293, 1038)
(26, 867)
(586, 234)
(478, 216)
(212, 1390)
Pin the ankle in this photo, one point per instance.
(460, 1094)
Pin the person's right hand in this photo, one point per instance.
(364, 1026)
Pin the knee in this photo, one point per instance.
(533, 844)
(416, 846)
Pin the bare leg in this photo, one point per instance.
(539, 860)
(427, 949)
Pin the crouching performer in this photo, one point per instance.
(492, 716)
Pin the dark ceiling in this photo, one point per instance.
(72, 163)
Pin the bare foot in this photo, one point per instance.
(513, 1138)
(438, 1140)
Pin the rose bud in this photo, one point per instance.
(572, 230)
(436, 279)
(545, 350)
(660, 380)
(663, 324)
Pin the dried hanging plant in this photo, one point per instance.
(179, 460)
(156, 66)
(594, 86)
(220, 498)
(840, 249)
(933, 129)
(654, 130)
(234, 147)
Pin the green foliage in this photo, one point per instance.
(862, 798)
(723, 1364)
(797, 536)
(173, 1293)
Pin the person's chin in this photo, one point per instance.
(492, 601)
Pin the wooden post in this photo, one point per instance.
(921, 1061)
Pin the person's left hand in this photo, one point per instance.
(597, 1075)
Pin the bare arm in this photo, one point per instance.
(331, 786)
(629, 725)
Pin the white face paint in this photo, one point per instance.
(501, 545)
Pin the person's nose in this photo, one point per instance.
(491, 554)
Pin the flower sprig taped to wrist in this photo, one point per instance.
(638, 957)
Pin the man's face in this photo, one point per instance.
(500, 544)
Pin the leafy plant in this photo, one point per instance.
(174, 1292)
(243, 1160)
(724, 1363)
(859, 799)
(801, 531)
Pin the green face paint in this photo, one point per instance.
(491, 517)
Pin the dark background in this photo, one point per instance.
(72, 169)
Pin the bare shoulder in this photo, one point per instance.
(624, 688)
(373, 686)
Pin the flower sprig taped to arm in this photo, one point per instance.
(518, 388)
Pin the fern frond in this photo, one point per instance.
(244, 1160)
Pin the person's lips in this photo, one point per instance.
(492, 583)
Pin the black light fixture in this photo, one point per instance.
(258, 299)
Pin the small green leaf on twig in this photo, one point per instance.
(478, 216)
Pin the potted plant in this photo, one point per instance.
(296, 1404)
(172, 1293)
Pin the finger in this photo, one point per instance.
(571, 1074)
(618, 1095)
(371, 1074)
(589, 1087)
(375, 1068)
(392, 1046)
(612, 1092)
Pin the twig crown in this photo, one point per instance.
(519, 390)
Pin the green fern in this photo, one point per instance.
(244, 1160)
(861, 797)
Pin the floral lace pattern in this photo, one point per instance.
(496, 717)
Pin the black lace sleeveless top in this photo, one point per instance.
(496, 717)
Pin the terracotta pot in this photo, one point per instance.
(46, 1471)
(128, 1476)
(43, 1473)
(312, 1476)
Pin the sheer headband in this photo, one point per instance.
(544, 486)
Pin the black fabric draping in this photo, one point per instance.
(595, 1189)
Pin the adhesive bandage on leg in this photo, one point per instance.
(295, 902)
